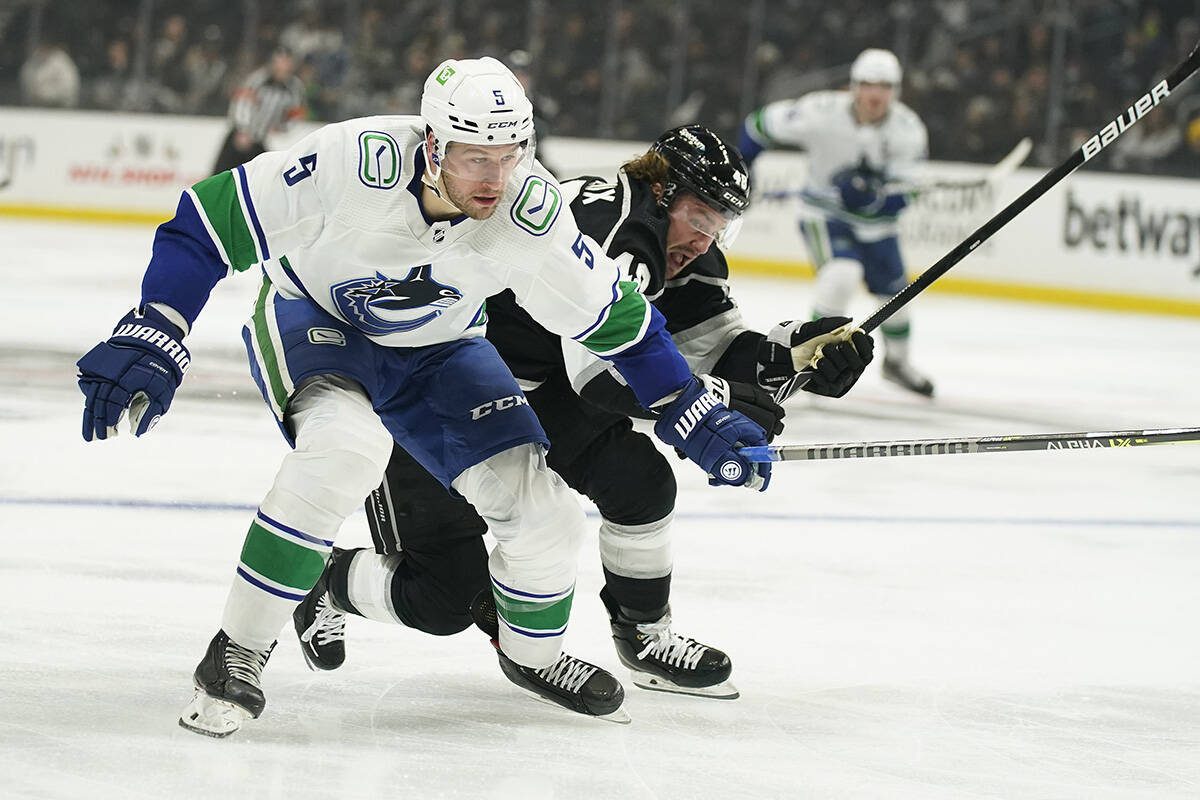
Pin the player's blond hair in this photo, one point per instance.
(650, 167)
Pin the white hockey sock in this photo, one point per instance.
(836, 282)
(341, 451)
(539, 525)
(369, 585)
(637, 551)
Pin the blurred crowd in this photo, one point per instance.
(981, 73)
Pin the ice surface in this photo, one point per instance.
(1001, 625)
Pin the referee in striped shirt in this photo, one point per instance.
(269, 100)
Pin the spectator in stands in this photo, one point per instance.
(270, 99)
(315, 38)
(205, 68)
(982, 69)
(168, 77)
(545, 108)
(49, 77)
(1148, 146)
(112, 88)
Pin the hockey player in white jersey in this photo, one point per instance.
(379, 240)
(861, 144)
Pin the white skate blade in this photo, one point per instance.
(620, 716)
(212, 717)
(655, 683)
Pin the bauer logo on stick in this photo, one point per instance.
(1132, 114)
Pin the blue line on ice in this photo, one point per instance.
(740, 514)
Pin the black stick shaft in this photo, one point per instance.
(981, 444)
(1093, 146)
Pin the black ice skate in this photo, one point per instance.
(665, 661)
(902, 374)
(228, 688)
(568, 682)
(320, 626)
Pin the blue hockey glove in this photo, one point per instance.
(863, 191)
(859, 188)
(138, 368)
(709, 434)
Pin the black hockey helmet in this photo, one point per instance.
(705, 165)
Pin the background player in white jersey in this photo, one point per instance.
(664, 217)
(859, 143)
(380, 239)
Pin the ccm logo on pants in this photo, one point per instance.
(498, 405)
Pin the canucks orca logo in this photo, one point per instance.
(382, 305)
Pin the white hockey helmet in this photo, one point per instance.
(874, 65)
(475, 101)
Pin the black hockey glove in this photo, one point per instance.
(749, 400)
(837, 354)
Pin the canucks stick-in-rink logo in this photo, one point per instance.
(382, 305)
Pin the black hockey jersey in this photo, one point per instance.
(702, 318)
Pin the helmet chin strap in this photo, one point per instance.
(431, 179)
(437, 189)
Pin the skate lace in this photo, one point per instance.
(246, 664)
(667, 646)
(328, 626)
(568, 673)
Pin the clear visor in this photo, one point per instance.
(698, 217)
(494, 163)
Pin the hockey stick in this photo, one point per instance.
(1090, 148)
(980, 444)
(995, 173)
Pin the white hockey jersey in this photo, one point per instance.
(823, 124)
(336, 219)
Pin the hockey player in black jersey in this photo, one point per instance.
(660, 217)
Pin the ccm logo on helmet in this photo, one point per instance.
(511, 124)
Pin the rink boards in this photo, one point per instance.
(1097, 239)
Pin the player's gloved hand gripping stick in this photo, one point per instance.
(708, 433)
(836, 352)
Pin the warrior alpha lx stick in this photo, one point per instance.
(981, 444)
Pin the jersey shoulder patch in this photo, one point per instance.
(379, 162)
(537, 205)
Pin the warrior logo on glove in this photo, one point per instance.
(731, 471)
(687, 423)
(137, 370)
(157, 338)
